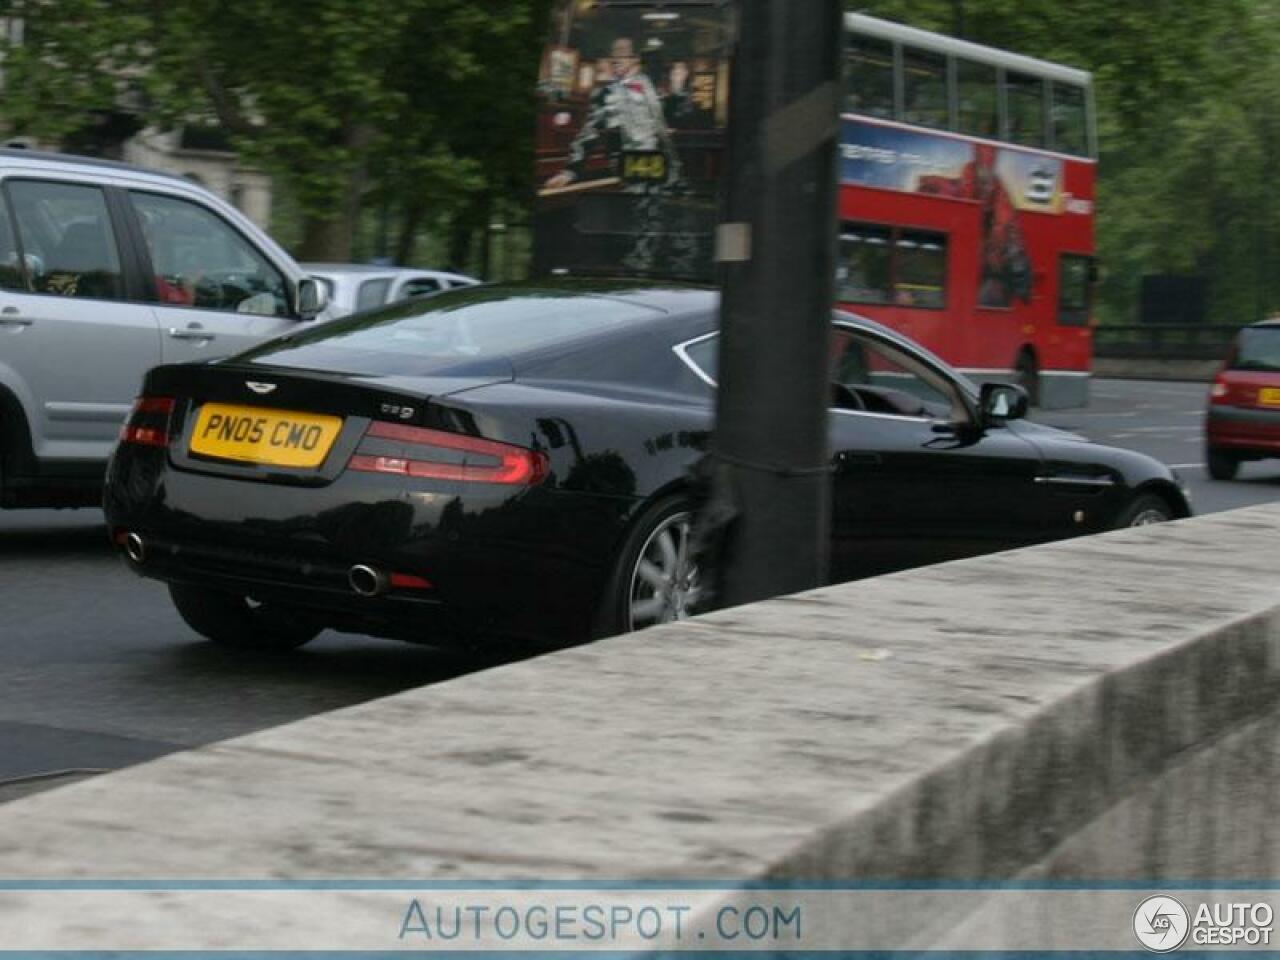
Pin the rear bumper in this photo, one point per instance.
(1244, 429)
(321, 589)
(512, 563)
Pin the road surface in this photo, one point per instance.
(97, 671)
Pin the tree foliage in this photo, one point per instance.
(423, 110)
(423, 104)
(65, 61)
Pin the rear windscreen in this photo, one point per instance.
(456, 328)
(1258, 349)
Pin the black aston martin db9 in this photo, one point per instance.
(516, 461)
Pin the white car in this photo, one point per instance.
(353, 287)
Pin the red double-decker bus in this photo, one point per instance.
(967, 194)
(967, 204)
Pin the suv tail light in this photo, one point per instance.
(148, 423)
(437, 455)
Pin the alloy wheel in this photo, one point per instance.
(1147, 517)
(664, 584)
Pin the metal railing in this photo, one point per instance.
(1167, 341)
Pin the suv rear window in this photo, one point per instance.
(1257, 348)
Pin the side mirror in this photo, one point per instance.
(312, 298)
(1001, 402)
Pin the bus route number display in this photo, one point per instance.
(644, 166)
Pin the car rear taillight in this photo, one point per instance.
(438, 455)
(1220, 390)
(148, 423)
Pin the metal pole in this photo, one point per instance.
(771, 484)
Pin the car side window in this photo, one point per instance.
(201, 261)
(68, 246)
(872, 376)
(419, 287)
(702, 356)
(372, 293)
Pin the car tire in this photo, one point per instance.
(1222, 465)
(231, 620)
(1144, 509)
(654, 579)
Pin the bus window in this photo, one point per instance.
(921, 275)
(1075, 290)
(924, 89)
(869, 77)
(888, 265)
(865, 258)
(977, 87)
(1024, 99)
(1070, 126)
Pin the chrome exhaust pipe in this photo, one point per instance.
(367, 581)
(135, 548)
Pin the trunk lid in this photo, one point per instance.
(256, 422)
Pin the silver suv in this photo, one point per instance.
(107, 270)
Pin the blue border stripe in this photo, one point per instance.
(411, 885)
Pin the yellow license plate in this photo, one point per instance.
(280, 438)
(1269, 396)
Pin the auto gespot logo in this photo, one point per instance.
(1162, 924)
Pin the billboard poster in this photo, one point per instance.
(633, 102)
(1007, 182)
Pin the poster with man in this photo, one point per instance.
(633, 102)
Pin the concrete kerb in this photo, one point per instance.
(974, 720)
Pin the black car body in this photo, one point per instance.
(501, 454)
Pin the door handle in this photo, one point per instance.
(177, 334)
(1068, 480)
(860, 458)
(9, 318)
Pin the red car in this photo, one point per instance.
(1244, 404)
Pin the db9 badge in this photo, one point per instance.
(398, 411)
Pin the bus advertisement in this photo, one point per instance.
(966, 200)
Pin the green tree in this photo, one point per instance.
(66, 61)
(423, 107)
(302, 88)
(462, 152)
